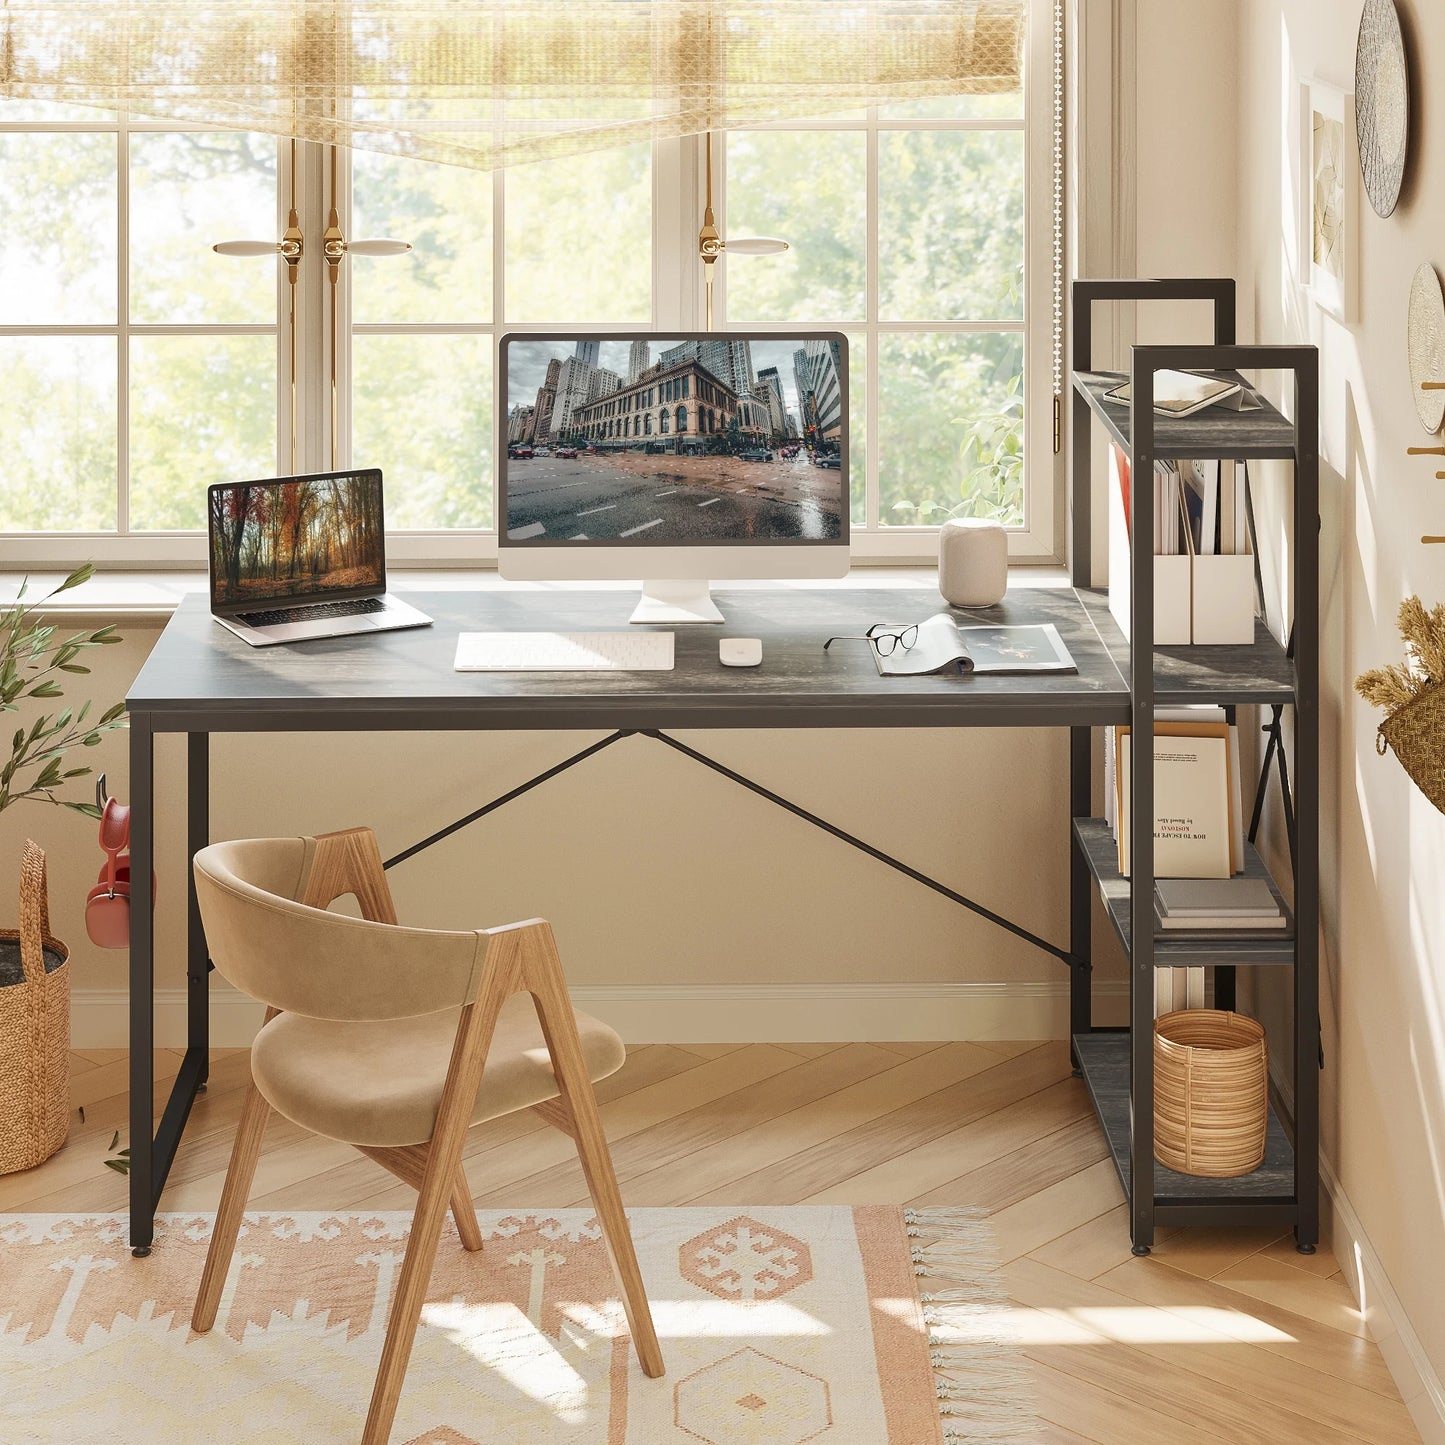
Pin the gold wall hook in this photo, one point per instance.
(1432, 539)
(1432, 386)
(1425, 451)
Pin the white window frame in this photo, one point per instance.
(677, 304)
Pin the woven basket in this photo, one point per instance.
(34, 1031)
(1211, 1104)
(1416, 731)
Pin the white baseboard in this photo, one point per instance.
(692, 1014)
(1413, 1372)
(1389, 1325)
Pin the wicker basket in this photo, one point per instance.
(1416, 731)
(1211, 1071)
(34, 1031)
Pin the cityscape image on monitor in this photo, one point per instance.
(675, 440)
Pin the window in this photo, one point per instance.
(922, 231)
(139, 366)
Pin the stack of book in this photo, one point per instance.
(1243, 905)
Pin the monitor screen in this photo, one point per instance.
(647, 440)
(296, 537)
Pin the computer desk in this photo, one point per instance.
(200, 679)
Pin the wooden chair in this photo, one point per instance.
(397, 1040)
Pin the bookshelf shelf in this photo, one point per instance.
(1118, 1065)
(1214, 432)
(1104, 1057)
(1256, 672)
(1184, 950)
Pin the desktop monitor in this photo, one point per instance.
(674, 459)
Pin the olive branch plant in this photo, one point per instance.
(33, 659)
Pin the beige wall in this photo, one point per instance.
(658, 874)
(1383, 845)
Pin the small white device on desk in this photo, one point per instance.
(564, 652)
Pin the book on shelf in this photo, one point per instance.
(1176, 988)
(1182, 715)
(1240, 905)
(1182, 393)
(1194, 831)
(943, 646)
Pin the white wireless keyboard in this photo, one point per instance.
(564, 652)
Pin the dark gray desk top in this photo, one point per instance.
(201, 677)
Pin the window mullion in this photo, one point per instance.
(871, 520)
(122, 330)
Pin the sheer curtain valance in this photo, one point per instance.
(488, 83)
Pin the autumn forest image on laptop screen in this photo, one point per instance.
(302, 537)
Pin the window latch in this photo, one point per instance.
(335, 247)
(289, 248)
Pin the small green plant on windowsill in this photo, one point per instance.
(32, 659)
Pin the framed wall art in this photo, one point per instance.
(1329, 199)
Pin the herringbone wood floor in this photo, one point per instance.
(1218, 1336)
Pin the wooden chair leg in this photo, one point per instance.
(409, 1163)
(438, 1184)
(464, 1212)
(541, 971)
(601, 1180)
(234, 1193)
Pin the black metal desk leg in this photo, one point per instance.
(1081, 887)
(142, 985)
(198, 834)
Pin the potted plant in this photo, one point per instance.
(32, 659)
(34, 979)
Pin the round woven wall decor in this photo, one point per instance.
(1382, 103)
(1426, 342)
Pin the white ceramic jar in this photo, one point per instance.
(972, 562)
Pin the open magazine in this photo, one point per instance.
(943, 646)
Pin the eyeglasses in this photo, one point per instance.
(883, 637)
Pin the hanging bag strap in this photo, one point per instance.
(34, 915)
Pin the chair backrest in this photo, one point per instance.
(263, 902)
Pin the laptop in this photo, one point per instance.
(299, 557)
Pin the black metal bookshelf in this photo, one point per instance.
(1118, 1064)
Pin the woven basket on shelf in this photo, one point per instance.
(1211, 1071)
(1416, 731)
(34, 1030)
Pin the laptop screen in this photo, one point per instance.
(296, 537)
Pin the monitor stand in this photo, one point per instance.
(676, 601)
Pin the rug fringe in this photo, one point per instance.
(983, 1386)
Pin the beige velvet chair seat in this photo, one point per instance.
(381, 1084)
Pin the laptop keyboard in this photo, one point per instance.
(314, 611)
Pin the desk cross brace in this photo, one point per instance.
(762, 792)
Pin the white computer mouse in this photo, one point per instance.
(740, 651)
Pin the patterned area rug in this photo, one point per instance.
(866, 1326)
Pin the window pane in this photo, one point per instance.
(950, 428)
(186, 193)
(421, 409)
(579, 238)
(59, 469)
(446, 214)
(58, 243)
(202, 410)
(806, 187)
(951, 225)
